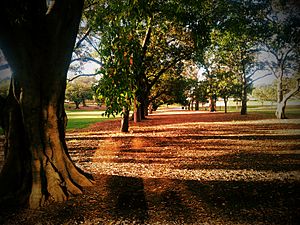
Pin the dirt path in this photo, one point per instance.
(179, 167)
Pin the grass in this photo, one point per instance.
(78, 119)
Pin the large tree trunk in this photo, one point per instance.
(38, 48)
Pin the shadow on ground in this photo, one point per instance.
(145, 201)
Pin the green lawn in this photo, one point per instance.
(81, 118)
(78, 119)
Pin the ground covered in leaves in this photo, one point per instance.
(180, 167)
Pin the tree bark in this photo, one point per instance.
(281, 105)
(225, 104)
(125, 120)
(212, 104)
(244, 96)
(38, 48)
(197, 105)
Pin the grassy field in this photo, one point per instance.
(78, 119)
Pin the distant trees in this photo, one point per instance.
(80, 90)
(265, 93)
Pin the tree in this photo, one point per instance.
(265, 93)
(119, 51)
(236, 29)
(169, 89)
(80, 90)
(163, 33)
(37, 39)
(281, 44)
(227, 86)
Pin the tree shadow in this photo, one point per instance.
(249, 202)
(249, 161)
(127, 197)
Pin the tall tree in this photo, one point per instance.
(37, 39)
(234, 40)
(281, 48)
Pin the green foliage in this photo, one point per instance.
(170, 89)
(265, 93)
(80, 90)
(140, 41)
(122, 26)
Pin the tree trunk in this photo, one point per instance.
(136, 112)
(244, 101)
(212, 104)
(280, 110)
(38, 49)
(225, 105)
(125, 120)
(197, 105)
(150, 108)
(77, 103)
(83, 102)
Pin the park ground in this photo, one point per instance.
(182, 167)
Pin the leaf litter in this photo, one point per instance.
(183, 168)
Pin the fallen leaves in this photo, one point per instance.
(191, 168)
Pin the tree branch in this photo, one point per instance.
(292, 92)
(87, 59)
(161, 72)
(94, 47)
(82, 75)
(266, 75)
(83, 38)
(4, 67)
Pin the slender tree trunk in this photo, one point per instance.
(197, 105)
(38, 167)
(125, 120)
(225, 105)
(244, 100)
(136, 113)
(212, 104)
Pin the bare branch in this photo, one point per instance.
(92, 44)
(82, 75)
(266, 75)
(87, 59)
(83, 38)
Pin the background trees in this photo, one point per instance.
(80, 90)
